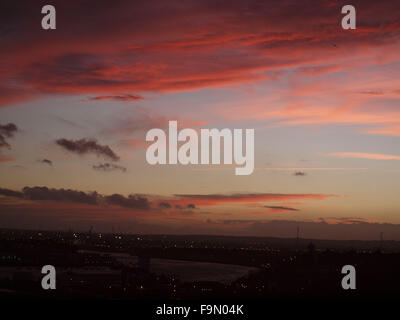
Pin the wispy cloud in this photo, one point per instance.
(46, 161)
(124, 97)
(107, 167)
(362, 155)
(278, 209)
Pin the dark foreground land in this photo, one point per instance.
(115, 266)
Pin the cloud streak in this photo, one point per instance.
(131, 202)
(87, 146)
(61, 195)
(221, 199)
(125, 97)
(135, 201)
(65, 196)
(107, 167)
(362, 155)
(278, 209)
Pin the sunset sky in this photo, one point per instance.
(76, 103)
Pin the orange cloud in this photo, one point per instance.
(362, 155)
(222, 199)
(5, 158)
(388, 131)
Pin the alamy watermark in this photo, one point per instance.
(193, 151)
(49, 20)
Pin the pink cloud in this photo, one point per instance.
(205, 47)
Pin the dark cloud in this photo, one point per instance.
(46, 161)
(147, 202)
(7, 131)
(11, 193)
(299, 174)
(85, 146)
(233, 221)
(125, 97)
(132, 201)
(107, 167)
(164, 205)
(167, 205)
(280, 208)
(66, 195)
(347, 228)
(3, 142)
(344, 220)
